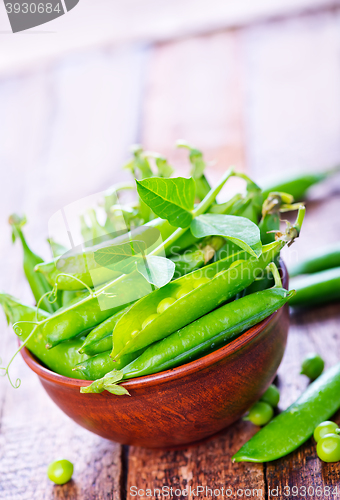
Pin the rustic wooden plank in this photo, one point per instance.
(207, 465)
(316, 330)
(110, 22)
(61, 141)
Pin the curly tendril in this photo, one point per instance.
(18, 330)
(52, 293)
(6, 370)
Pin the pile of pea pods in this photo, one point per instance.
(170, 276)
(210, 274)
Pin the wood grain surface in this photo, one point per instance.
(265, 98)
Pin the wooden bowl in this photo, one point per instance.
(182, 405)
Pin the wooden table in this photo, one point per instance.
(264, 98)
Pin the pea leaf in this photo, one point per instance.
(239, 230)
(121, 257)
(156, 270)
(171, 199)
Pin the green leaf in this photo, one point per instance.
(122, 257)
(118, 390)
(105, 383)
(171, 199)
(239, 230)
(156, 270)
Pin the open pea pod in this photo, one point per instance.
(100, 338)
(182, 301)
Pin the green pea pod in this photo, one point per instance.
(38, 284)
(317, 288)
(266, 281)
(63, 358)
(92, 310)
(297, 185)
(289, 430)
(81, 266)
(196, 293)
(97, 366)
(69, 298)
(324, 258)
(197, 255)
(211, 331)
(100, 338)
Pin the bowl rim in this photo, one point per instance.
(173, 373)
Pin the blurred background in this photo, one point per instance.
(252, 84)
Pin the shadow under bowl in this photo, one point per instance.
(182, 405)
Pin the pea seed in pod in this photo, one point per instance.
(200, 282)
(217, 328)
(164, 304)
(147, 321)
(191, 303)
(182, 292)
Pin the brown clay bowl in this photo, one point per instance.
(182, 405)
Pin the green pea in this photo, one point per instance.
(312, 366)
(220, 273)
(324, 428)
(183, 291)
(60, 471)
(328, 448)
(200, 282)
(164, 304)
(260, 414)
(271, 396)
(236, 263)
(149, 319)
